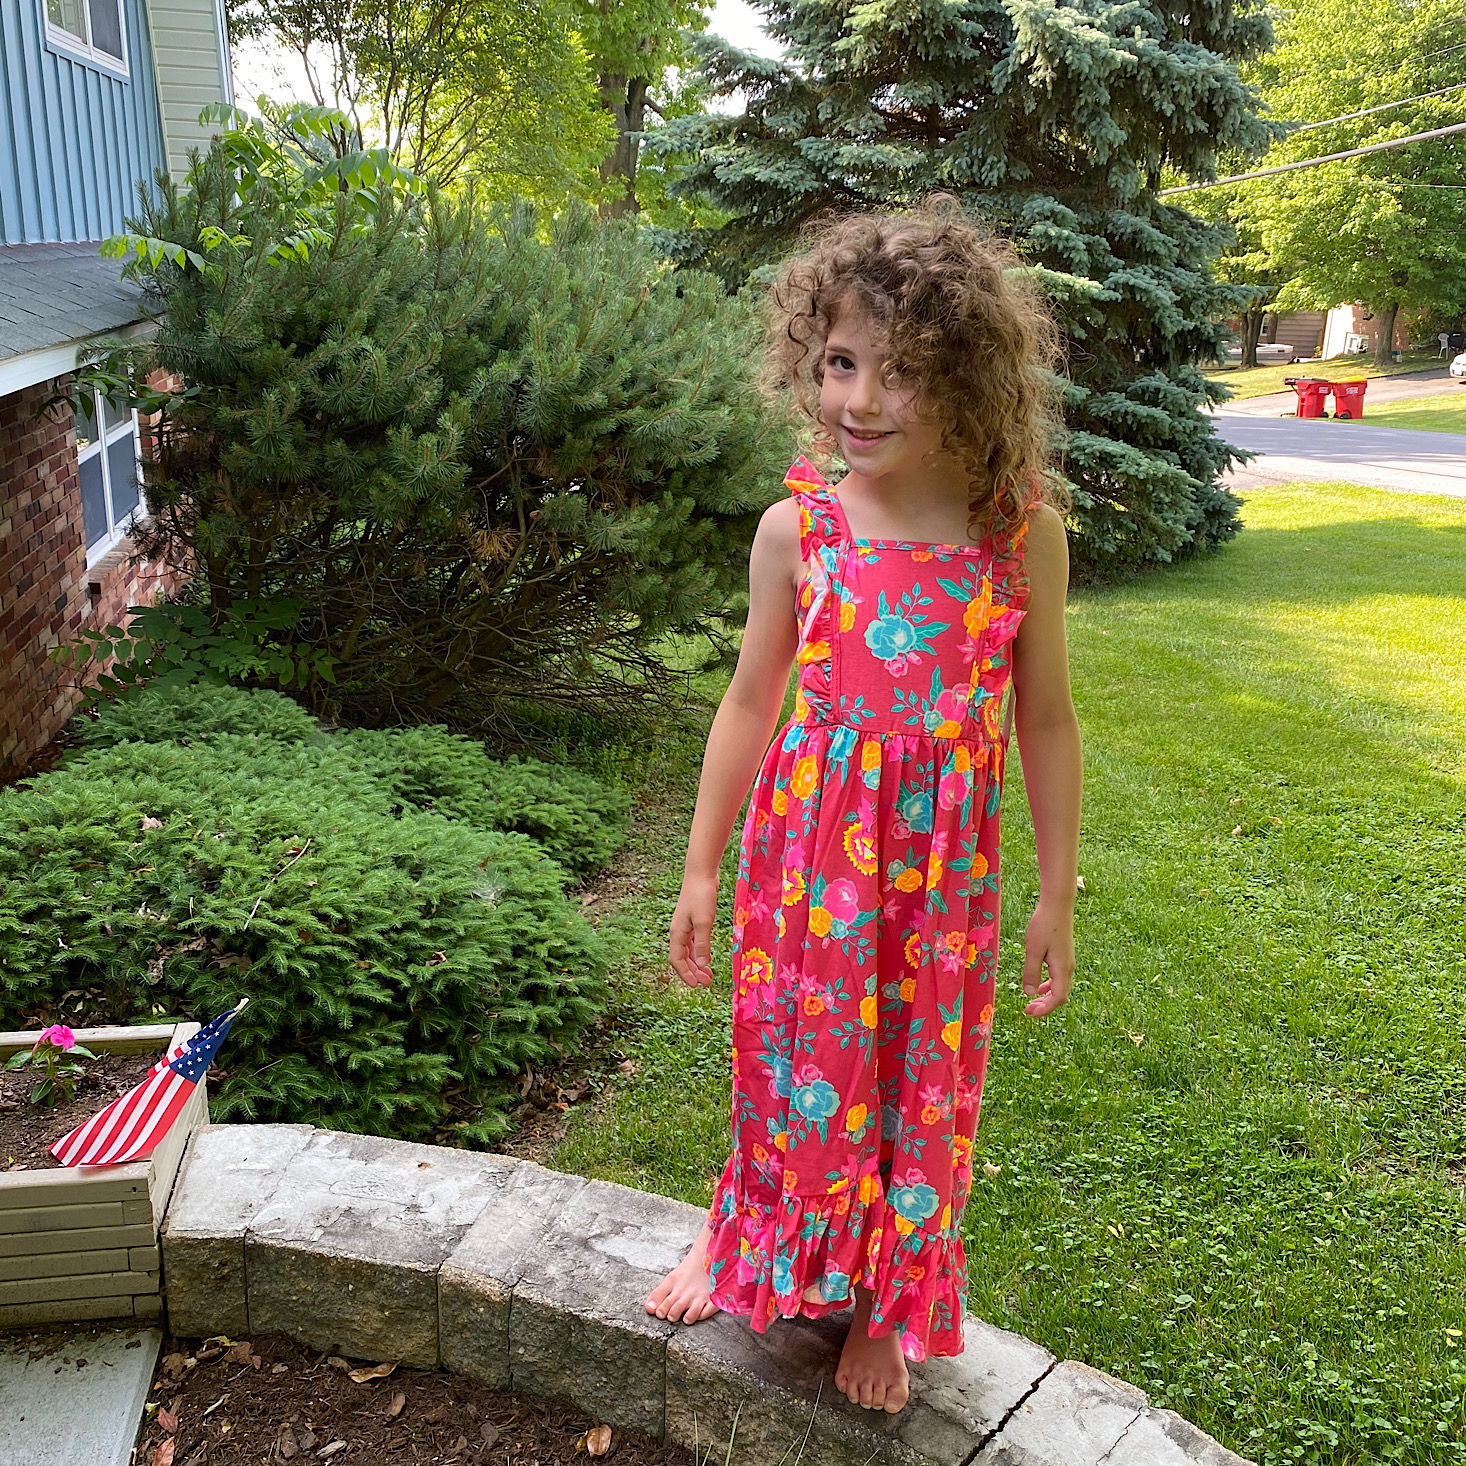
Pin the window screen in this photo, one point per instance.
(107, 26)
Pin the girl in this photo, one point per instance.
(865, 927)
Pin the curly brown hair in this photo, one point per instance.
(961, 320)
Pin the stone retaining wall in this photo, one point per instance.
(531, 1280)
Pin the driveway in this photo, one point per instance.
(1429, 383)
(1322, 450)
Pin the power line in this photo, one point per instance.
(1398, 142)
(1383, 107)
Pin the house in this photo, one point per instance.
(96, 96)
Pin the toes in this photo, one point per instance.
(878, 1395)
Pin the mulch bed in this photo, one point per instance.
(31, 1130)
(220, 1402)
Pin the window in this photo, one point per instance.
(91, 27)
(107, 461)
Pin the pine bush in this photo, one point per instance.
(399, 969)
(576, 819)
(493, 457)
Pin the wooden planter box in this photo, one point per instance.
(82, 1242)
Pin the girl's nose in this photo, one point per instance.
(865, 394)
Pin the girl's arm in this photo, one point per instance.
(1048, 742)
(745, 722)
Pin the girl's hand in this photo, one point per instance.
(1050, 944)
(691, 944)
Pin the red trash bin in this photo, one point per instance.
(1349, 398)
(1312, 393)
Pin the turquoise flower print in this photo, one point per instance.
(781, 1073)
(817, 1100)
(914, 810)
(895, 637)
(783, 1272)
(915, 1203)
(834, 1286)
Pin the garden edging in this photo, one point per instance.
(528, 1279)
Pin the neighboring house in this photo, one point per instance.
(95, 97)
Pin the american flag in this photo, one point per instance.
(129, 1128)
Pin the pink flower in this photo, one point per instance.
(842, 900)
(59, 1036)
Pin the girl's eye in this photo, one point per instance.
(841, 363)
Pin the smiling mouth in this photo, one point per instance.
(861, 435)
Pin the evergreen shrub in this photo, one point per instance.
(493, 457)
(402, 955)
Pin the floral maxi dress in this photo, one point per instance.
(865, 936)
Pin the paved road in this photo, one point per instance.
(1429, 383)
(1322, 450)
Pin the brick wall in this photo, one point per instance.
(47, 592)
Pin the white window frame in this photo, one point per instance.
(80, 48)
(117, 529)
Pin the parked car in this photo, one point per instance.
(1458, 366)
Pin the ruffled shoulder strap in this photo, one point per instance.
(821, 519)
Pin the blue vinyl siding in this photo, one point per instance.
(75, 140)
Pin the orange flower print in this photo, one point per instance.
(870, 756)
(781, 1140)
(795, 887)
(934, 868)
(947, 728)
(916, 1274)
(908, 989)
(870, 1188)
(804, 777)
(904, 1225)
(868, 1011)
(930, 1114)
(946, 1216)
(855, 1118)
(847, 615)
(922, 556)
(986, 1016)
(814, 1005)
(819, 921)
(979, 865)
(961, 759)
(979, 611)
(909, 879)
(759, 1153)
(790, 1180)
(952, 1034)
(814, 651)
(842, 1205)
(913, 949)
(754, 969)
(780, 802)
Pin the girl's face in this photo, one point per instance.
(873, 418)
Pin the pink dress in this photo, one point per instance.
(865, 936)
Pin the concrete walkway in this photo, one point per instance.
(1429, 383)
(1323, 450)
(74, 1398)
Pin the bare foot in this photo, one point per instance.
(872, 1372)
(683, 1294)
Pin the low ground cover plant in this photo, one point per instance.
(406, 946)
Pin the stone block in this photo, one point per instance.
(1163, 1438)
(780, 1386)
(229, 1172)
(578, 1327)
(1075, 1417)
(478, 1279)
(345, 1253)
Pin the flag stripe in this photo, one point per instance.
(132, 1125)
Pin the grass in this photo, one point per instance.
(1443, 414)
(1232, 1168)
(1255, 381)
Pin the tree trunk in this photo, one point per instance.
(1384, 341)
(1251, 331)
(625, 99)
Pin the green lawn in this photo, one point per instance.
(1443, 414)
(1255, 381)
(1232, 1169)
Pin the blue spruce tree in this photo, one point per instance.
(1056, 120)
